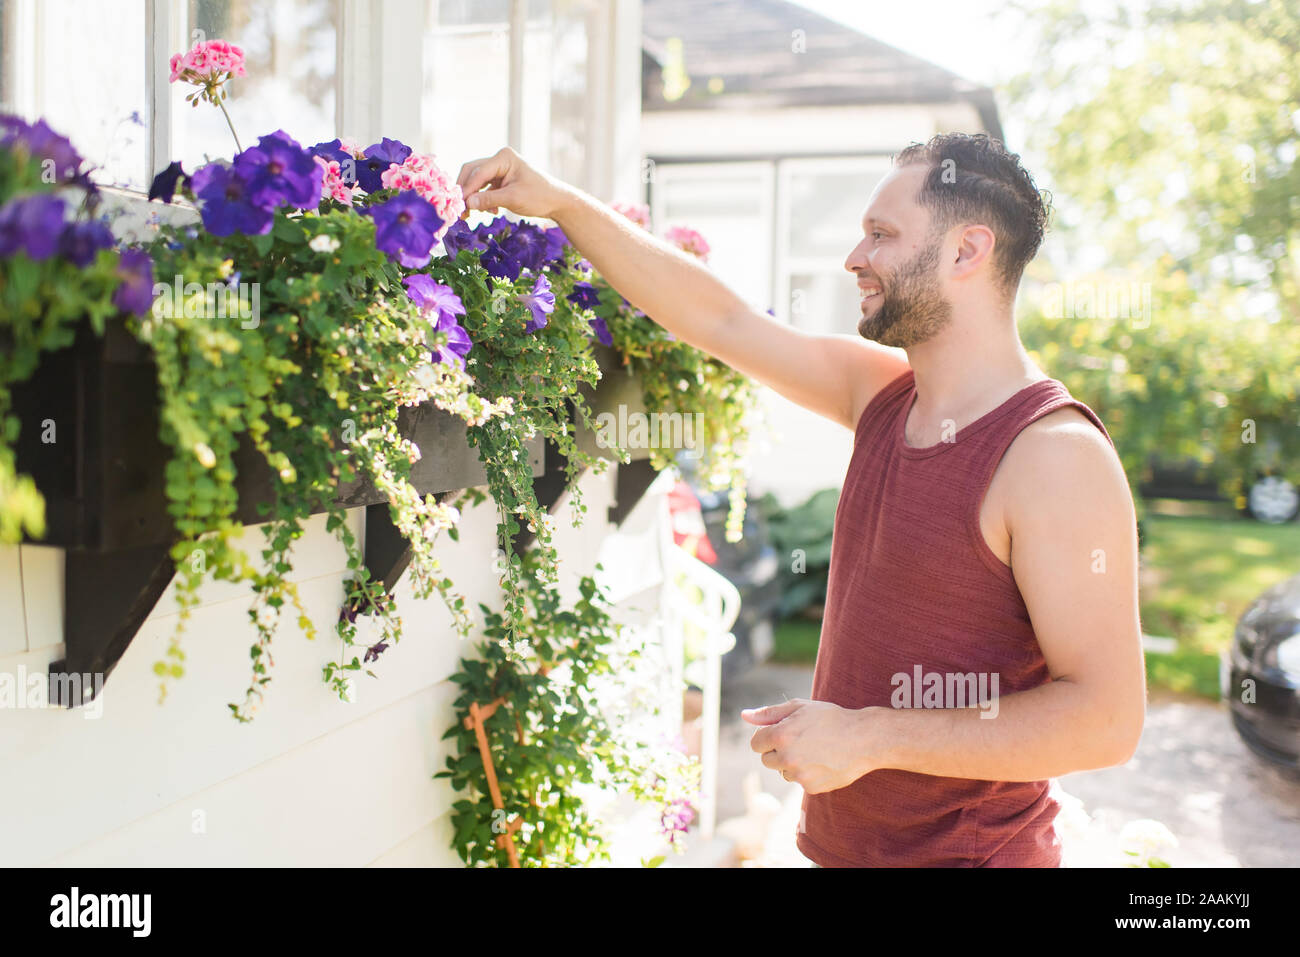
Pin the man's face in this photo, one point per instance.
(903, 301)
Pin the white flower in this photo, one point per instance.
(324, 243)
(1146, 836)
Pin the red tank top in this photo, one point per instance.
(913, 583)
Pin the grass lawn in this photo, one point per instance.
(1201, 566)
(794, 641)
(1199, 572)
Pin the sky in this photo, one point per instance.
(973, 38)
(961, 35)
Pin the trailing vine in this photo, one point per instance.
(677, 378)
(556, 732)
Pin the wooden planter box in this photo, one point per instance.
(103, 477)
(618, 393)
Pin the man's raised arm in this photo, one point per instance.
(833, 375)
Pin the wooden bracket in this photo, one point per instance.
(478, 716)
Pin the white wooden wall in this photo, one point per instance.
(312, 780)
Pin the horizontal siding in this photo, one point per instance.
(13, 625)
(312, 780)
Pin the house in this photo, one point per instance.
(766, 126)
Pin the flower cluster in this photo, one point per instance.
(421, 174)
(441, 304)
(688, 240)
(243, 197)
(55, 153)
(639, 213)
(334, 184)
(38, 226)
(510, 249)
(675, 820)
(208, 63)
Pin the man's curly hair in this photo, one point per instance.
(973, 179)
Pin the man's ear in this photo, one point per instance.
(974, 248)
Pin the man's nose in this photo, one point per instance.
(857, 258)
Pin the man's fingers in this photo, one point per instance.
(476, 174)
(489, 199)
(772, 759)
(772, 713)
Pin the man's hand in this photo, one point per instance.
(512, 183)
(817, 745)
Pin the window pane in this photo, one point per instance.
(824, 301)
(825, 209)
(568, 59)
(466, 80)
(728, 205)
(290, 50)
(101, 104)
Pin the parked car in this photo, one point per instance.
(1271, 496)
(1260, 675)
(750, 564)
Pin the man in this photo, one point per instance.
(981, 631)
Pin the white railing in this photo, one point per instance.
(713, 613)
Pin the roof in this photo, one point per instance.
(741, 54)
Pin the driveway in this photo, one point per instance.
(1191, 772)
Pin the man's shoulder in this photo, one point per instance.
(1061, 459)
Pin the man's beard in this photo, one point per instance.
(912, 307)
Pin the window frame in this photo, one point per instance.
(379, 62)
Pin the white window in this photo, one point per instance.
(459, 78)
(782, 228)
(290, 50)
(820, 203)
(731, 205)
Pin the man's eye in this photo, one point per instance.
(876, 233)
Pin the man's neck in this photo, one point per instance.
(974, 365)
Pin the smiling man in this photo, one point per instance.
(985, 541)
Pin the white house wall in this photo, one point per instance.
(311, 780)
(809, 130)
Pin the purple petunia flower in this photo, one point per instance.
(526, 245)
(584, 295)
(226, 205)
(433, 296)
(33, 224)
(165, 183)
(372, 166)
(80, 242)
(458, 342)
(278, 171)
(460, 235)
(555, 243)
(406, 227)
(601, 329)
(541, 301)
(135, 294)
(44, 145)
(497, 261)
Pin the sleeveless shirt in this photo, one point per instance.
(914, 589)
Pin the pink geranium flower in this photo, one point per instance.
(211, 62)
(639, 213)
(689, 241)
(332, 185)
